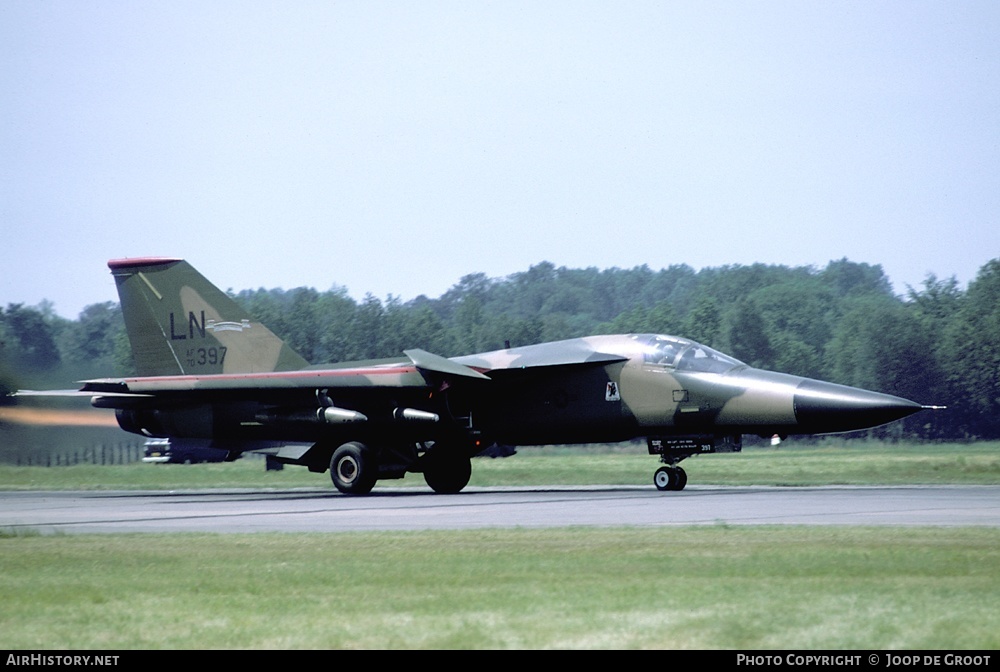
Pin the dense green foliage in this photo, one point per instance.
(939, 344)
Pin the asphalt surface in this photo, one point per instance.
(418, 509)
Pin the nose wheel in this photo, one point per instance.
(670, 478)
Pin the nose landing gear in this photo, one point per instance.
(673, 449)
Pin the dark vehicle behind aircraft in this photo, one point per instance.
(209, 371)
(181, 451)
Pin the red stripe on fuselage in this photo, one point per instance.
(284, 375)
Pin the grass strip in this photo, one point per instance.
(676, 588)
(850, 463)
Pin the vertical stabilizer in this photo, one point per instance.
(180, 323)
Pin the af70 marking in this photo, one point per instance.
(206, 356)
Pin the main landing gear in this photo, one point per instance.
(670, 478)
(447, 469)
(355, 467)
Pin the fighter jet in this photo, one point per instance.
(208, 370)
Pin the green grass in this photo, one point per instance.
(707, 587)
(855, 463)
(676, 588)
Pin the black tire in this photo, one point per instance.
(447, 471)
(681, 479)
(353, 469)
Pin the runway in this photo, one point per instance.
(418, 509)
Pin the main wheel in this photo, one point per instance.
(447, 471)
(353, 469)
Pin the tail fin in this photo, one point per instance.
(180, 323)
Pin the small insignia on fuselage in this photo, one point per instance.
(611, 393)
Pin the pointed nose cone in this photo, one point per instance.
(826, 407)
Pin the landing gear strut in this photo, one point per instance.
(670, 478)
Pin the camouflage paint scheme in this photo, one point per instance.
(208, 370)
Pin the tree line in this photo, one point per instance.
(937, 344)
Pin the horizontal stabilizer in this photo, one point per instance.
(51, 393)
(68, 394)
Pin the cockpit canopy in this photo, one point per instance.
(682, 354)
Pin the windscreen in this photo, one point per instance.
(684, 355)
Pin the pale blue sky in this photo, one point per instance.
(393, 147)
